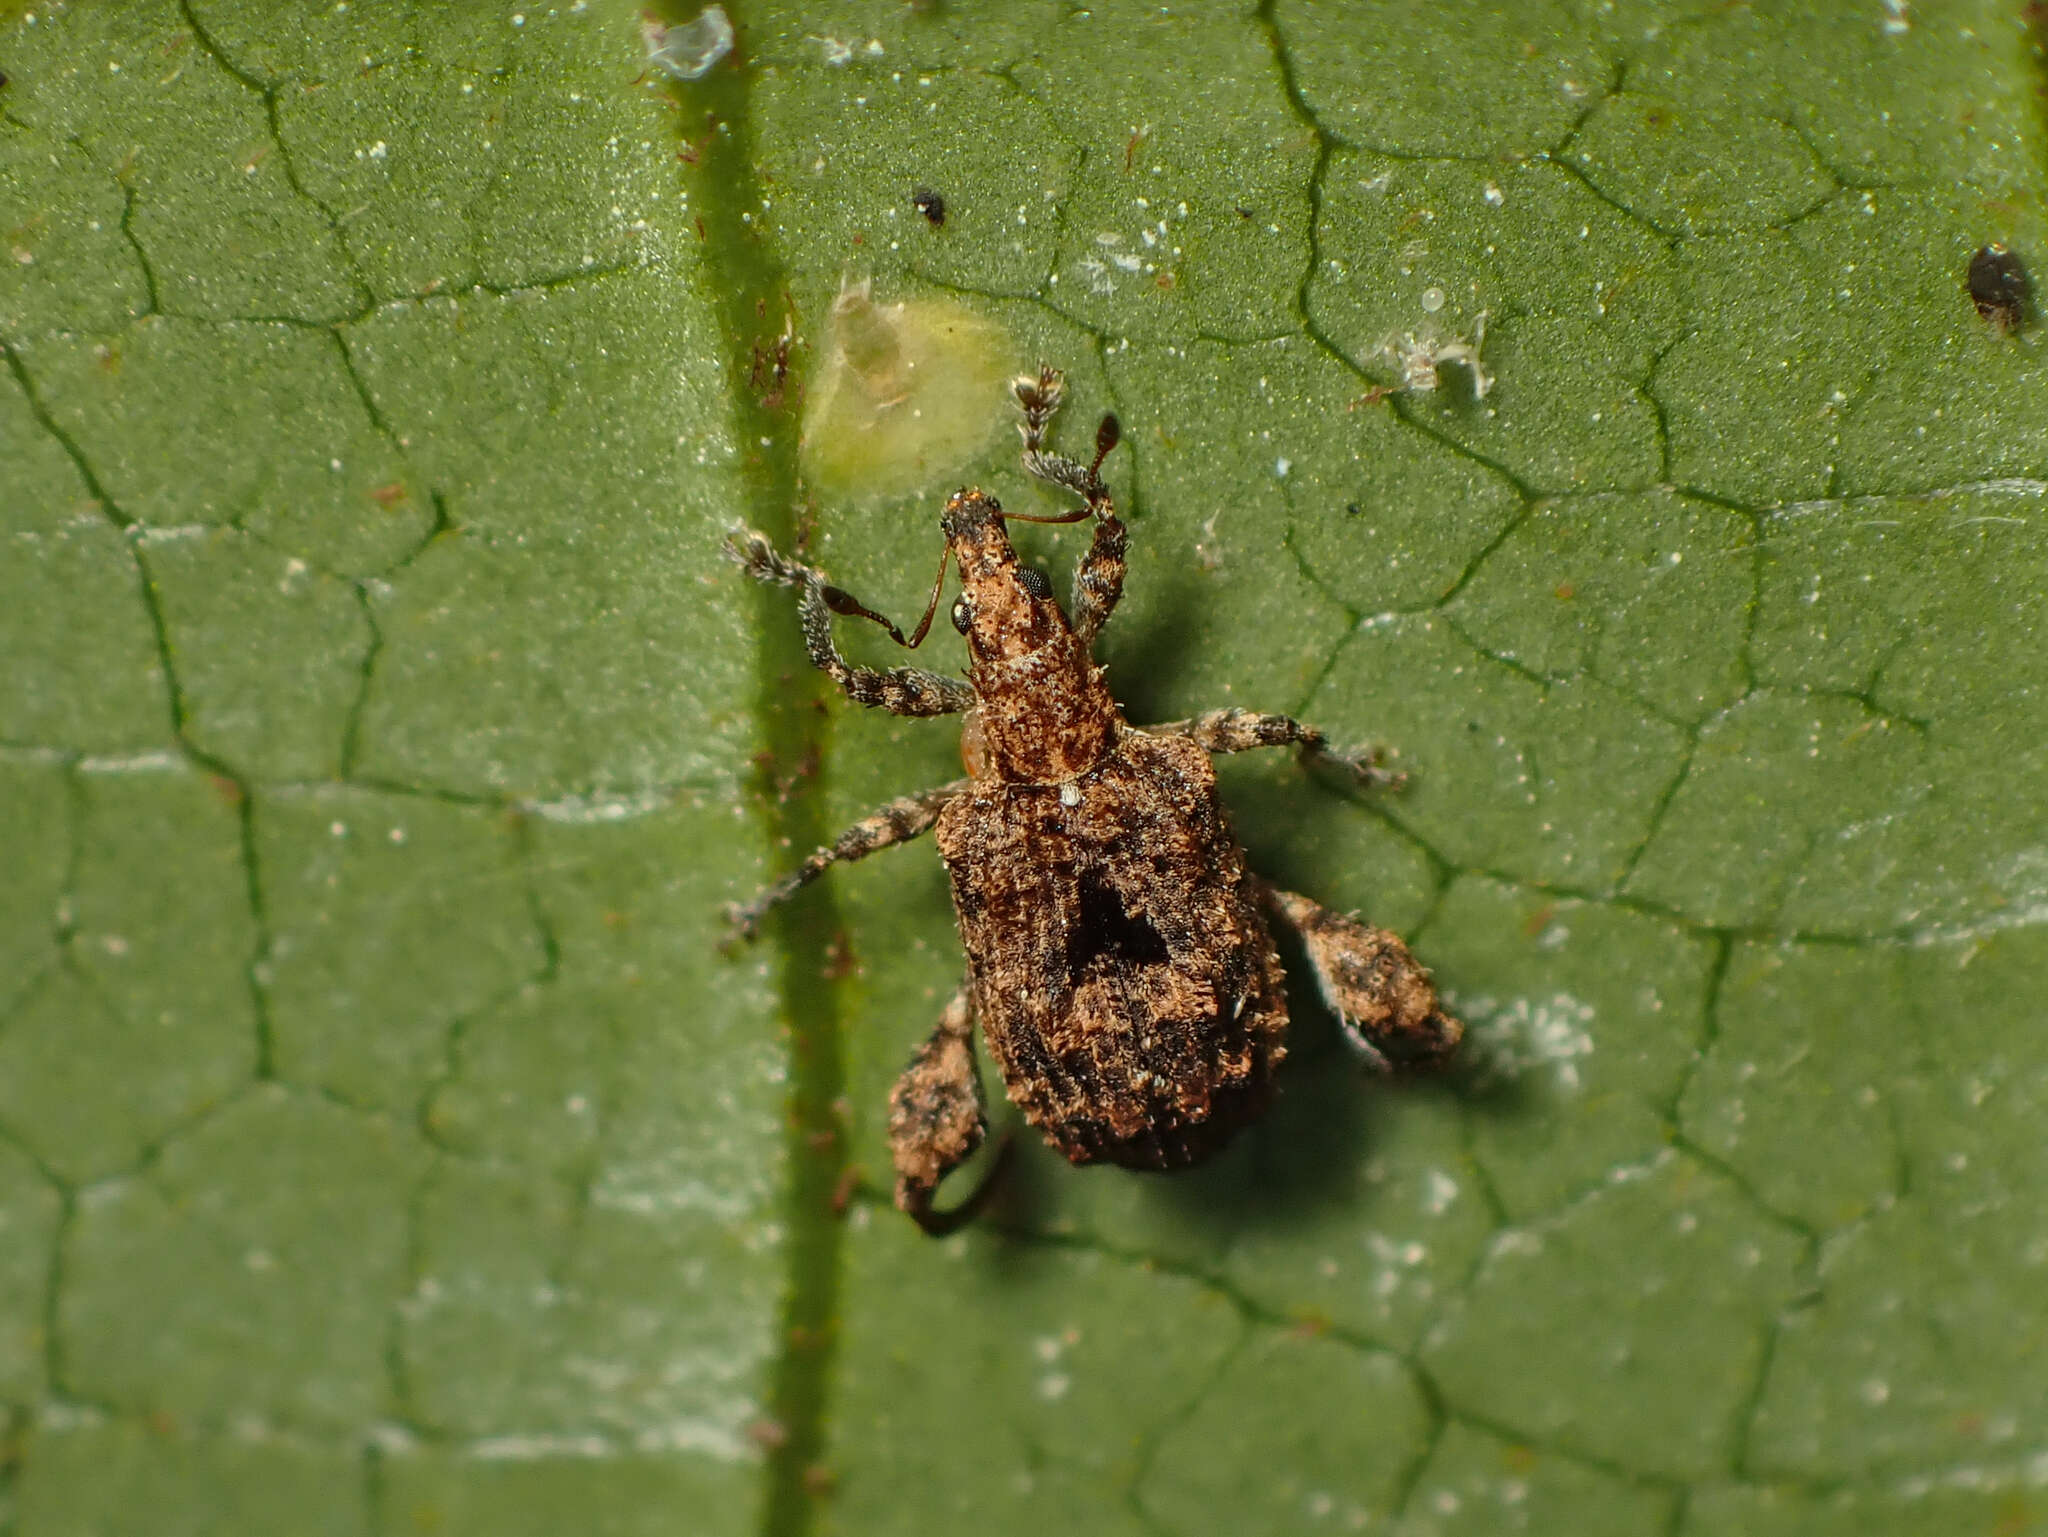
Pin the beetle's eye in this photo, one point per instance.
(960, 615)
(1035, 581)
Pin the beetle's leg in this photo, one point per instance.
(899, 690)
(1381, 994)
(937, 1120)
(1242, 730)
(886, 826)
(1099, 578)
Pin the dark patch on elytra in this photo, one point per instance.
(1104, 930)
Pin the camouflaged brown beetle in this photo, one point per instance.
(1118, 958)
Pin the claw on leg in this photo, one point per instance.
(937, 1121)
(1379, 992)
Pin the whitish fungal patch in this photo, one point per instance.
(686, 52)
(1526, 1035)
(910, 393)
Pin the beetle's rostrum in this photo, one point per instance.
(1119, 962)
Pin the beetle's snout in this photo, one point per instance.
(974, 529)
(970, 515)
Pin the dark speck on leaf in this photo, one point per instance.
(2000, 288)
(931, 205)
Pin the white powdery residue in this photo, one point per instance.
(656, 1188)
(145, 535)
(1515, 1241)
(48, 757)
(708, 1437)
(1406, 1253)
(578, 810)
(1397, 1263)
(58, 1415)
(540, 1446)
(133, 763)
(2023, 881)
(2019, 486)
(2012, 485)
(1629, 1173)
(392, 1439)
(2030, 1471)
(1512, 1040)
(711, 1425)
(1439, 1190)
(254, 1428)
(608, 1378)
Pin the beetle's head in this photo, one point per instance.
(1005, 609)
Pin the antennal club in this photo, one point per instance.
(1107, 435)
(1065, 472)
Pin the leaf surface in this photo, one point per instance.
(386, 1145)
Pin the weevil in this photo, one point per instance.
(1119, 962)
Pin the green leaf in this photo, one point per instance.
(386, 1146)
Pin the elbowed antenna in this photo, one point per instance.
(840, 601)
(1065, 472)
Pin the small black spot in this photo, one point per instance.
(1354, 510)
(961, 617)
(2000, 288)
(1034, 581)
(931, 205)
